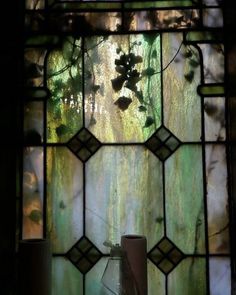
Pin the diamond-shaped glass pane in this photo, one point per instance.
(165, 255)
(84, 255)
(84, 144)
(163, 143)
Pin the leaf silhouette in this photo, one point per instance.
(149, 121)
(123, 102)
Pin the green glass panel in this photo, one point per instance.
(158, 4)
(213, 60)
(220, 275)
(189, 277)
(43, 40)
(214, 117)
(184, 199)
(34, 66)
(66, 278)
(217, 199)
(33, 123)
(180, 81)
(156, 280)
(93, 284)
(33, 186)
(64, 80)
(123, 195)
(204, 36)
(86, 6)
(161, 19)
(65, 198)
(212, 90)
(123, 87)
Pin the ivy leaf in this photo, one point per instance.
(149, 122)
(148, 72)
(194, 63)
(154, 54)
(150, 38)
(118, 82)
(139, 95)
(95, 88)
(189, 76)
(123, 102)
(142, 108)
(35, 216)
(120, 69)
(61, 130)
(188, 53)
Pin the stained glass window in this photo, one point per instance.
(125, 133)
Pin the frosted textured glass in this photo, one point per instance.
(34, 66)
(150, 20)
(64, 80)
(66, 279)
(217, 199)
(214, 116)
(181, 79)
(123, 195)
(220, 276)
(213, 18)
(156, 280)
(189, 277)
(93, 285)
(213, 60)
(33, 122)
(65, 198)
(184, 199)
(123, 87)
(33, 193)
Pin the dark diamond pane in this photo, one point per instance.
(172, 143)
(165, 245)
(75, 144)
(163, 153)
(93, 255)
(74, 255)
(175, 255)
(156, 255)
(93, 144)
(84, 154)
(162, 134)
(153, 143)
(166, 266)
(84, 245)
(84, 135)
(84, 265)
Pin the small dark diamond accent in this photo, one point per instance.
(84, 255)
(163, 143)
(84, 144)
(165, 255)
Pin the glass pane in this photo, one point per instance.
(64, 79)
(184, 199)
(189, 277)
(66, 279)
(213, 18)
(217, 199)
(220, 276)
(121, 182)
(33, 193)
(168, 3)
(33, 123)
(34, 66)
(214, 116)
(181, 74)
(87, 22)
(123, 87)
(93, 278)
(156, 280)
(34, 4)
(161, 19)
(213, 60)
(65, 198)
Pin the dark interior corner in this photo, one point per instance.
(11, 36)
